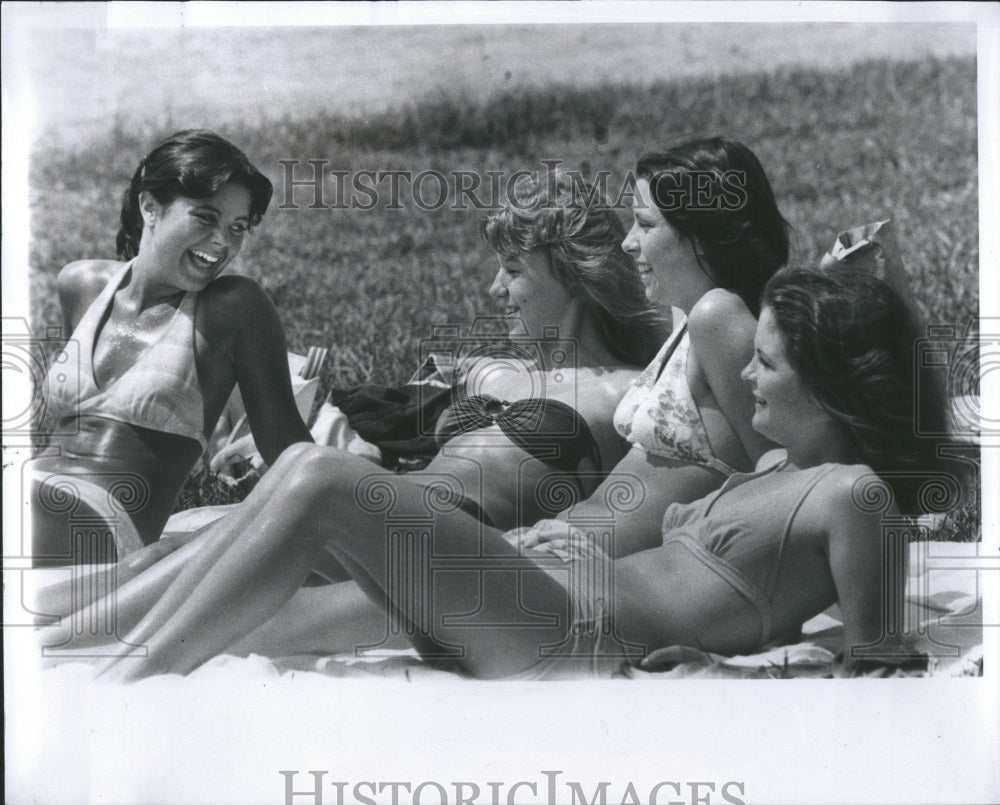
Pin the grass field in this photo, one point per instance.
(881, 139)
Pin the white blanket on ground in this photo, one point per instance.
(943, 620)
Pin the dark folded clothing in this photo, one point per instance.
(399, 420)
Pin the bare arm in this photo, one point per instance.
(260, 361)
(636, 494)
(854, 546)
(722, 331)
(639, 489)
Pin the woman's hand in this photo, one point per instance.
(528, 537)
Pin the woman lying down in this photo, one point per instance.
(833, 381)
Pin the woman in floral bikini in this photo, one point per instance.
(706, 235)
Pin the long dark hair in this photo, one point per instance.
(566, 215)
(715, 193)
(194, 163)
(851, 339)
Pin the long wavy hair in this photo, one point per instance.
(715, 193)
(852, 340)
(194, 163)
(565, 214)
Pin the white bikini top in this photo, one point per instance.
(160, 391)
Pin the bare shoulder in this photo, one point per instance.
(718, 316)
(235, 303)
(847, 481)
(233, 287)
(235, 295)
(846, 501)
(83, 278)
(722, 330)
(79, 283)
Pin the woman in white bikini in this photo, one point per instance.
(531, 428)
(159, 341)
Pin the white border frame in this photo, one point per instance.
(910, 740)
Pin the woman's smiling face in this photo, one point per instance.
(666, 261)
(783, 407)
(531, 295)
(193, 239)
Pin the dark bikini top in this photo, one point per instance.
(548, 430)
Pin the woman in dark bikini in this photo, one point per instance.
(687, 416)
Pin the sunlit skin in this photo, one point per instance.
(483, 464)
(530, 295)
(666, 261)
(826, 558)
(185, 245)
(782, 404)
(193, 240)
(721, 330)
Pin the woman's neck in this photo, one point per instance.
(143, 291)
(831, 444)
(583, 333)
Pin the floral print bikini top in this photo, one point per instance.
(659, 415)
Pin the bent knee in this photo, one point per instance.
(317, 470)
(293, 454)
